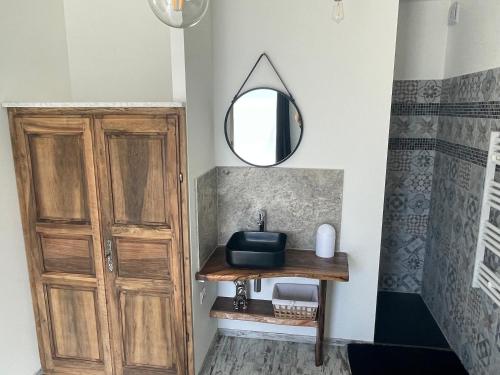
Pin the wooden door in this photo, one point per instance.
(58, 199)
(138, 162)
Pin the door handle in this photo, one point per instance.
(108, 254)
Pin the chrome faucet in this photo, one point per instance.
(257, 285)
(262, 221)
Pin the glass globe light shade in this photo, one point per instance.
(179, 13)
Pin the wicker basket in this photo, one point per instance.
(295, 301)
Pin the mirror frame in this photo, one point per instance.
(301, 126)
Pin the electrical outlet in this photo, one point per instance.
(203, 293)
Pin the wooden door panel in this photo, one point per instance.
(142, 259)
(67, 254)
(136, 165)
(147, 331)
(58, 177)
(74, 323)
(84, 314)
(58, 199)
(139, 181)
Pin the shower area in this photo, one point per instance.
(438, 152)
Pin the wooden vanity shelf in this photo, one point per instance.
(258, 311)
(298, 263)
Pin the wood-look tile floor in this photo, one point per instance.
(242, 356)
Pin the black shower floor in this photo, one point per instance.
(404, 319)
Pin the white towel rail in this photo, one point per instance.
(490, 283)
(489, 234)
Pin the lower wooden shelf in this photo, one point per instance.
(258, 311)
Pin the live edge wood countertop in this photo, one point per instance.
(298, 263)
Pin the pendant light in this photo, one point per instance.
(338, 11)
(179, 13)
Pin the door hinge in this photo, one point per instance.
(181, 177)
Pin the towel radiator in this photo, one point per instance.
(489, 234)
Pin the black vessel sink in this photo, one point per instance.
(256, 250)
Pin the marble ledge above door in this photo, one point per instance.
(93, 104)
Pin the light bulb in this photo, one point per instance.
(179, 13)
(178, 5)
(338, 11)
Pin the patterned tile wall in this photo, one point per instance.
(410, 165)
(430, 232)
(469, 319)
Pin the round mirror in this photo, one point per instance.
(263, 127)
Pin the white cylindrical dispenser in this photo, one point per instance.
(325, 241)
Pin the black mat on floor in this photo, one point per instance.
(404, 319)
(367, 359)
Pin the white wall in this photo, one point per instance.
(341, 76)
(33, 67)
(33, 60)
(118, 51)
(427, 48)
(199, 89)
(474, 44)
(421, 39)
